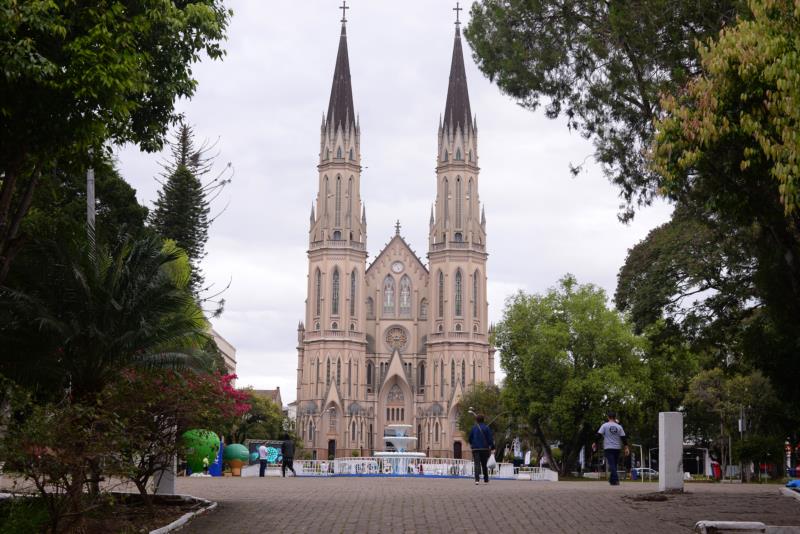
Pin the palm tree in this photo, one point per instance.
(86, 312)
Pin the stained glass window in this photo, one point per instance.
(458, 293)
(388, 295)
(338, 201)
(405, 295)
(458, 202)
(475, 279)
(318, 291)
(335, 293)
(353, 293)
(441, 295)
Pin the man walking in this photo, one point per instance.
(482, 443)
(614, 439)
(262, 459)
(287, 451)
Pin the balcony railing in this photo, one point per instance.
(336, 334)
(441, 336)
(336, 243)
(462, 245)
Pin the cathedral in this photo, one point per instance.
(397, 341)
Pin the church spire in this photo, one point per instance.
(457, 112)
(340, 106)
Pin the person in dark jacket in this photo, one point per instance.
(481, 442)
(287, 451)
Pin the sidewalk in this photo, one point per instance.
(334, 505)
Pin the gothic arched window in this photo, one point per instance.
(370, 375)
(421, 374)
(473, 371)
(446, 202)
(318, 293)
(405, 295)
(441, 378)
(338, 205)
(370, 308)
(423, 309)
(350, 203)
(475, 280)
(353, 293)
(446, 156)
(310, 431)
(327, 154)
(338, 371)
(458, 202)
(440, 311)
(339, 153)
(335, 293)
(452, 373)
(469, 199)
(463, 373)
(388, 295)
(353, 426)
(328, 372)
(317, 366)
(458, 289)
(436, 432)
(349, 378)
(352, 155)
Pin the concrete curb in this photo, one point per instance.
(789, 493)
(185, 518)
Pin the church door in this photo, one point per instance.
(331, 448)
(457, 450)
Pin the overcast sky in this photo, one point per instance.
(263, 106)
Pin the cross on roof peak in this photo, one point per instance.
(397, 227)
(457, 9)
(344, 7)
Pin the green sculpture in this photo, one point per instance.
(199, 444)
(236, 456)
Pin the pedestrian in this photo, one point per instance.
(482, 445)
(287, 451)
(614, 440)
(262, 460)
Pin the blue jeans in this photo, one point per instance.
(612, 457)
(262, 467)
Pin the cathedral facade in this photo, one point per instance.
(397, 341)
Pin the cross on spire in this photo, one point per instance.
(397, 227)
(457, 9)
(343, 7)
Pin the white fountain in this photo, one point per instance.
(399, 461)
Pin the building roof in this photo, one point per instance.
(340, 107)
(272, 394)
(457, 112)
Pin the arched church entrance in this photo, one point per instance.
(457, 450)
(331, 448)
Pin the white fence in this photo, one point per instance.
(419, 467)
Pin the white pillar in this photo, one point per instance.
(165, 482)
(670, 451)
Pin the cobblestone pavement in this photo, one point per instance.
(386, 505)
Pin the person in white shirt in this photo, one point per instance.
(262, 459)
(614, 439)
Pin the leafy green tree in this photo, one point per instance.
(264, 420)
(111, 72)
(485, 399)
(87, 313)
(604, 65)
(182, 209)
(727, 145)
(568, 359)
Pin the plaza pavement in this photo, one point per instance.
(412, 505)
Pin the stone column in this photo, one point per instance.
(670, 451)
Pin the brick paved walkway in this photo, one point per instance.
(380, 505)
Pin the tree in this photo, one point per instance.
(263, 420)
(727, 146)
(88, 313)
(604, 65)
(486, 399)
(182, 209)
(110, 73)
(568, 358)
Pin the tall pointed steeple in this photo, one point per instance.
(340, 106)
(457, 112)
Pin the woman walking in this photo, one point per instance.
(482, 444)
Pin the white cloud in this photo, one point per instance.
(264, 102)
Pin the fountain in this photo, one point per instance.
(399, 461)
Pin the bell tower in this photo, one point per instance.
(457, 255)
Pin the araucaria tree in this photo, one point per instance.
(569, 358)
(108, 72)
(182, 210)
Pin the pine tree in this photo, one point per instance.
(184, 202)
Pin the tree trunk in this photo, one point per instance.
(548, 453)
